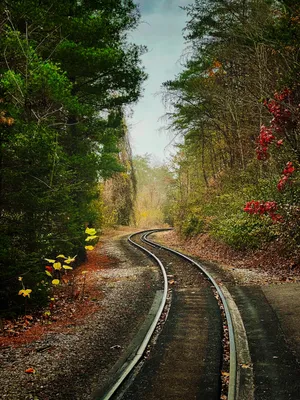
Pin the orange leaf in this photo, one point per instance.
(224, 373)
(30, 371)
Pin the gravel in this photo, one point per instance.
(74, 362)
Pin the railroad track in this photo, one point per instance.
(186, 360)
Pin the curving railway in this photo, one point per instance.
(205, 328)
(185, 360)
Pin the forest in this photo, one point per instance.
(69, 72)
(236, 109)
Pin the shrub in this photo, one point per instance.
(243, 232)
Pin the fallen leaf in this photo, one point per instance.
(245, 366)
(30, 371)
(116, 346)
(224, 373)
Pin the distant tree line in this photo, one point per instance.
(152, 203)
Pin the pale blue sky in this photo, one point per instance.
(161, 31)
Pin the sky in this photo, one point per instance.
(161, 31)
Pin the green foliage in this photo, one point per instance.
(192, 226)
(119, 192)
(241, 53)
(241, 232)
(67, 70)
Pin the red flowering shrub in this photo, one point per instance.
(265, 138)
(263, 208)
(286, 174)
(280, 107)
(285, 121)
(289, 169)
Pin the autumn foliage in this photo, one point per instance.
(236, 106)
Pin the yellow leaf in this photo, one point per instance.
(67, 267)
(20, 278)
(52, 299)
(50, 261)
(90, 238)
(61, 256)
(55, 282)
(84, 272)
(224, 373)
(246, 365)
(90, 231)
(47, 313)
(25, 292)
(48, 273)
(57, 265)
(69, 259)
(89, 247)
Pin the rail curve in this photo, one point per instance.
(137, 356)
(232, 346)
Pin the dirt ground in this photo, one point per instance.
(259, 266)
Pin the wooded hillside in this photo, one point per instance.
(236, 106)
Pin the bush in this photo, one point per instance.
(243, 232)
(193, 225)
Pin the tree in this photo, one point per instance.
(66, 73)
(243, 65)
(119, 192)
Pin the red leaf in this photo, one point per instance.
(30, 371)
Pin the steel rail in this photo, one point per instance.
(232, 345)
(140, 351)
